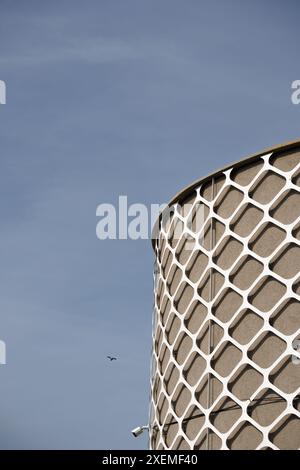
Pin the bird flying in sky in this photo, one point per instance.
(111, 358)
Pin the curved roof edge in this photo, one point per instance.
(187, 189)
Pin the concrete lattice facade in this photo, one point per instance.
(226, 325)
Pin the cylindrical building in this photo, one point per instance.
(226, 325)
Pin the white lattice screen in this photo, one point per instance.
(226, 370)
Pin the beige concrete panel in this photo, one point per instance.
(228, 201)
(226, 359)
(287, 209)
(246, 437)
(267, 406)
(195, 316)
(267, 187)
(266, 349)
(194, 368)
(209, 336)
(225, 414)
(193, 422)
(265, 241)
(181, 399)
(245, 381)
(208, 440)
(246, 272)
(286, 160)
(227, 253)
(287, 433)
(286, 318)
(245, 326)
(266, 294)
(227, 304)
(208, 390)
(246, 220)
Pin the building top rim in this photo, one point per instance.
(185, 192)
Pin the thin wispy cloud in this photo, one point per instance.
(95, 51)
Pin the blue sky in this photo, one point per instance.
(109, 98)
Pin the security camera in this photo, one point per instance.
(139, 430)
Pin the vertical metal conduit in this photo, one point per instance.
(211, 296)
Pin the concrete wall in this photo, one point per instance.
(227, 314)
